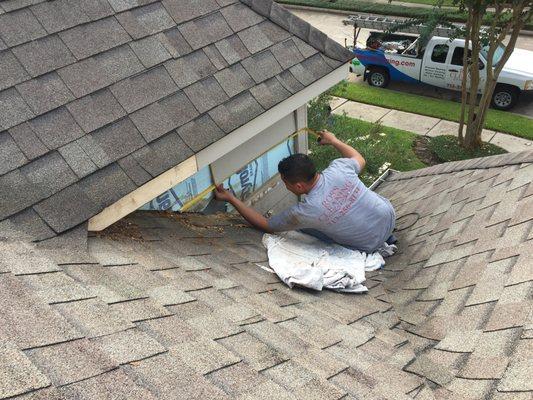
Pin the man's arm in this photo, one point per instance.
(253, 217)
(346, 150)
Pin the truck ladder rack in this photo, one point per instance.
(384, 23)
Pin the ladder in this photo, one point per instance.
(384, 23)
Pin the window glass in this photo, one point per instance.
(457, 57)
(440, 51)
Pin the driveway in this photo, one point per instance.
(331, 24)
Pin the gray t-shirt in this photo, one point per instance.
(342, 208)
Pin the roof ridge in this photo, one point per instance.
(474, 163)
(300, 28)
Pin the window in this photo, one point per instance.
(440, 51)
(457, 57)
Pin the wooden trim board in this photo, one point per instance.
(143, 194)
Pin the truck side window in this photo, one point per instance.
(440, 51)
(457, 57)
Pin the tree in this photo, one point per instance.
(504, 18)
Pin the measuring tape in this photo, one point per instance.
(191, 203)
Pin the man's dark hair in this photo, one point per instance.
(297, 168)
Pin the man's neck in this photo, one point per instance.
(313, 183)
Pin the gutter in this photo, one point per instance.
(381, 179)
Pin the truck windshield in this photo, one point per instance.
(497, 54)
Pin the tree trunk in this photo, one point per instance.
(464, 80)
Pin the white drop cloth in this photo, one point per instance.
(303, 260)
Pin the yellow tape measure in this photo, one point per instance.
(188, 205)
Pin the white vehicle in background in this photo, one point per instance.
(440, 63)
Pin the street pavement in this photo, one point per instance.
(331, 24)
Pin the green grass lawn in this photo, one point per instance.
(382, 147)
(447, 148)
(500, 121)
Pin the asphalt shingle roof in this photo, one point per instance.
(99, 83)
(178, 307)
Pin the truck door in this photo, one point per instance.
(434, 69)
(455, 69)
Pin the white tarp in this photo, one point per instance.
(303, 260)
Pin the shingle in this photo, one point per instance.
(11, 71)
(205, 94)
(336, 51)
(253, 351)
(13, 109)
(151, 50)
(45, 93)
(280, 15)
(49, 173)
(172, 379)
(299, 27)
(287, 54)
(304, 47)
(216, 58)
(56, 128)
(93, 317)
(240, 17)
(116, 382)
(269, 93)
(112, 142)
(310, 70)
(30, 223)
(32, 323)
(255, 39)
(101, 70)
(204, 355)
(16, 193)
(55, 287)
(232, 49)
(205, 30)
(141, 90)
(185, 10)
(134, 170)
(172, 149)
(190, 68)
(12, 5)
(96, 37)
(236, 380)
(43, 55)
(128, 346)
(146, 20)
(107, 185)
(70, 362)
(200, 133)
(163, 116)
(236, 112)
(96, 110)
(123, 5)
(175, 43)
(169, 331)
(317, 39)
(58, 15)
(96, 9)
(262, 66)
(19, 375)
(517, 377)
(19, 27)
(10, 155)
(140, 310)
(510, 315)
(66, 209)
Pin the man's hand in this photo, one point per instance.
(223, 194)
(326, 137)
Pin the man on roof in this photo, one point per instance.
(337, 206)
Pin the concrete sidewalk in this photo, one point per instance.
(421, 124)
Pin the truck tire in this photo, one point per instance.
(505, 97)
(378, 77)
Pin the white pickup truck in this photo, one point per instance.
(439, 63)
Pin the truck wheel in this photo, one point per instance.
(505, 97)
(378, 77)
